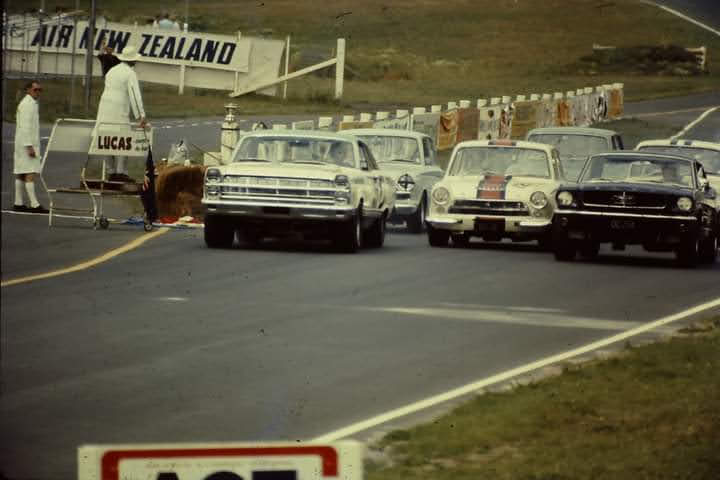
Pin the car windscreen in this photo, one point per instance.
(500, 161)
(392, 149)
(710, 159)
(660, 170)
(572, 145)
(296, 150)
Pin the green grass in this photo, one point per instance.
(653, 413)
(417, 53)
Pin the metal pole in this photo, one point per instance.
(90, 44)
(287, 65)
(74, 56)
(187, 9)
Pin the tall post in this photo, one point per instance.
(72, 63)
(287, 64)
(340, 68)
(187, 9)
(90, 45)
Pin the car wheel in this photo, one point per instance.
(219, 232)
(589, 250)
(376, 234)
(688, 254)
(708, 249)
(437, 237)
(416, 222)
(545, 242)
(249, 238)
(348, 237)
(460, 239)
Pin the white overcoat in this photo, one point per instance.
(27, 133)
(121, 95)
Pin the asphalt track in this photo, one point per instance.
(172, 342)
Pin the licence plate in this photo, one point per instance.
(622, 224)
(277, 210)
(489, 225)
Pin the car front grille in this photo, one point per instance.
(625, 200)
(277, 190)
(490, 207)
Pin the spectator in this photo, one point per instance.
(107, 59)
(27, 149)
(165, 22)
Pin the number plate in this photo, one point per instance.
(618, 224)
(489, 225)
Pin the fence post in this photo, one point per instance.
(287, 65)
(340, 68)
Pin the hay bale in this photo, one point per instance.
(179, 191)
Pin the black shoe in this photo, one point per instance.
(20, 208)
(38, 209)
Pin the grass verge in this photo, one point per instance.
(417, 53)
(652, 412)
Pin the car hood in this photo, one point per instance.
(397, 169)
(513, 188)
(287, 170)
(629, 187)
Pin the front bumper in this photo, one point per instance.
(279, 211)
(624, 228)
(492, 225)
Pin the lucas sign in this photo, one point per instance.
(121, 140)
(222, 461)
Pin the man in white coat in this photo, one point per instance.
(27, 149)
(121, 95)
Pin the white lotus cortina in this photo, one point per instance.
(496, 189)
(315, 184)
(408, 157)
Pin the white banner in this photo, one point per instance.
(121, 140)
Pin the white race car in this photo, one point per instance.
(316, 184)
(408, 157)
(496, 189)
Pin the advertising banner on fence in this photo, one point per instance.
(427, 123)
(564, 116)
(506, 118)
(616, 104)
(599, 109)
(489, 123)
(468, 121)
(447, 130)
(354, 124)
(525, 118)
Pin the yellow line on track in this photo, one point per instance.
(90, 263)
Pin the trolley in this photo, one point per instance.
(91, 141)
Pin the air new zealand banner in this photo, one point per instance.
(237, 61)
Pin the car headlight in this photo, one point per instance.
(685, 204)
(406, 182)
(213, 190)
(342, 181)
(565, 199)
(213, 175)
(538, 200)
(441, 195)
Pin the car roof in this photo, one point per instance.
(641, 155)
(384, 132)
(505, 143)
(666, 142)
(597, 132)
(314, 134)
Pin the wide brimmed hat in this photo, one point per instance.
(129, 54)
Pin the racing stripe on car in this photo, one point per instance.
(492, 187)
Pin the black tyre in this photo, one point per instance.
(437, 238)
(589, 250)
(688, 254)
(219, 232)
(460, 240)
(545, 242)
(348, 236)
(416, 222)
(375, 235)
(564, 249)
(708, 250)
(249, 238)
(104, 223)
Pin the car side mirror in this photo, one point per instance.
(704, 184)
(364, 165)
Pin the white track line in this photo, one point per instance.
(693, 123)
(684, 17)
(475, 386)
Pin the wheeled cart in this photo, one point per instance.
(71, 139)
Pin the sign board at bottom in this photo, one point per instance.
(222, 461)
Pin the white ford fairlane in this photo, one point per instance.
(410, 158)
(313, 184)
(496, 189)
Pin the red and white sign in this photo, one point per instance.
(222, 461)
